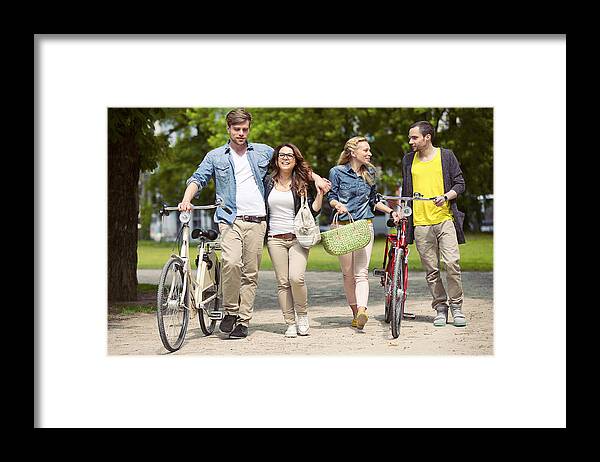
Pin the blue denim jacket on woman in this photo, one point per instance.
(219, 164)
(353, 191)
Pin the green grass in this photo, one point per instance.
(132, 309)
(475, 255)
(145, 303)
(147, 289)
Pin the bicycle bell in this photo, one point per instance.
(185, 217)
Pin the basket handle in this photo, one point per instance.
(335, 220)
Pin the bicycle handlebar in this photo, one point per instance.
(406, 198)
(194, 207)
(406, 209)
(166, 209)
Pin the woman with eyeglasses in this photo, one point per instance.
(287, 182)
(353, 191)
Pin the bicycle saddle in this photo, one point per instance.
(209, 234)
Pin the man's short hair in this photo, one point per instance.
(425, 128)
(238, 116)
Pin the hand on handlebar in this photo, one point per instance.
(439, 200)
(184, 206)
(397, 216)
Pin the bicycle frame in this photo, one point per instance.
(205, 277)
(395, 245)
(392, 239)
(187, 293)
(396, 242)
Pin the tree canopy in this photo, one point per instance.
(320, 133)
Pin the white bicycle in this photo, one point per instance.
(180, 293)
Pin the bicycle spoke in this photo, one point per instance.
(174, 311)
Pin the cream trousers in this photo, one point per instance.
(242, 245)
(289, 262)
(355, 271)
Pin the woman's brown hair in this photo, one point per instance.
(300, 174)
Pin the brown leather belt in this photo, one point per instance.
(287, 236)
(252, 218)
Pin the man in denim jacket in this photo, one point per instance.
(436, 226)
(239, 168)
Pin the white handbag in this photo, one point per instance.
(305, 228)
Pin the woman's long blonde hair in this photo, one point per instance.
(345, 156)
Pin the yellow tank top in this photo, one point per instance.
(429, 181)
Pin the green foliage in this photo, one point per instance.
(320, 133)
(124, 123)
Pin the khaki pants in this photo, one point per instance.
(289, 262)
(355, 270)
(435, 243)
(242, 245)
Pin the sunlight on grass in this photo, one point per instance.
(476, 255)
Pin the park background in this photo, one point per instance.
(153, 151)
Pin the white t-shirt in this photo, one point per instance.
(281, 212)
(249, 200)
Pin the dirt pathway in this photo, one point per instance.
(330, 330)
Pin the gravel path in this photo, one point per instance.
(330, 331)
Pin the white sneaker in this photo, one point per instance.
(291, 331)
(303, 324)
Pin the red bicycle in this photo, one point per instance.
(394, 272)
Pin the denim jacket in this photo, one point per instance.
(351, 190)
(219, 164)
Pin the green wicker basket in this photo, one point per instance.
(347, 238)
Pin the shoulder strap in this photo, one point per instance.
(302, 201)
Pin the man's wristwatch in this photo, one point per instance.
(445, 198)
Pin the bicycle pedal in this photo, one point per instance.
(218, 315)
(409, 316)
(378, 272)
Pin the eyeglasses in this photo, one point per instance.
(285, 155)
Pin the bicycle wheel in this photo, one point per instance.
(387, 287)
(398, 293)
(207, 325)
(171, 314)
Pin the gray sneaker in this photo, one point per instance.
(441, 318)
(458, 316)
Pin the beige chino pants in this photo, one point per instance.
(289, 262)
(435, 243)
(242, 245)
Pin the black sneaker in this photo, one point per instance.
(227, 323)
(240, 331)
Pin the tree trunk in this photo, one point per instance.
(123, 206)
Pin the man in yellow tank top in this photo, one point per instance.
(428, 180)
(436, 225)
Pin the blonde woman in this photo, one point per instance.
(284, 186)
(353, 190)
